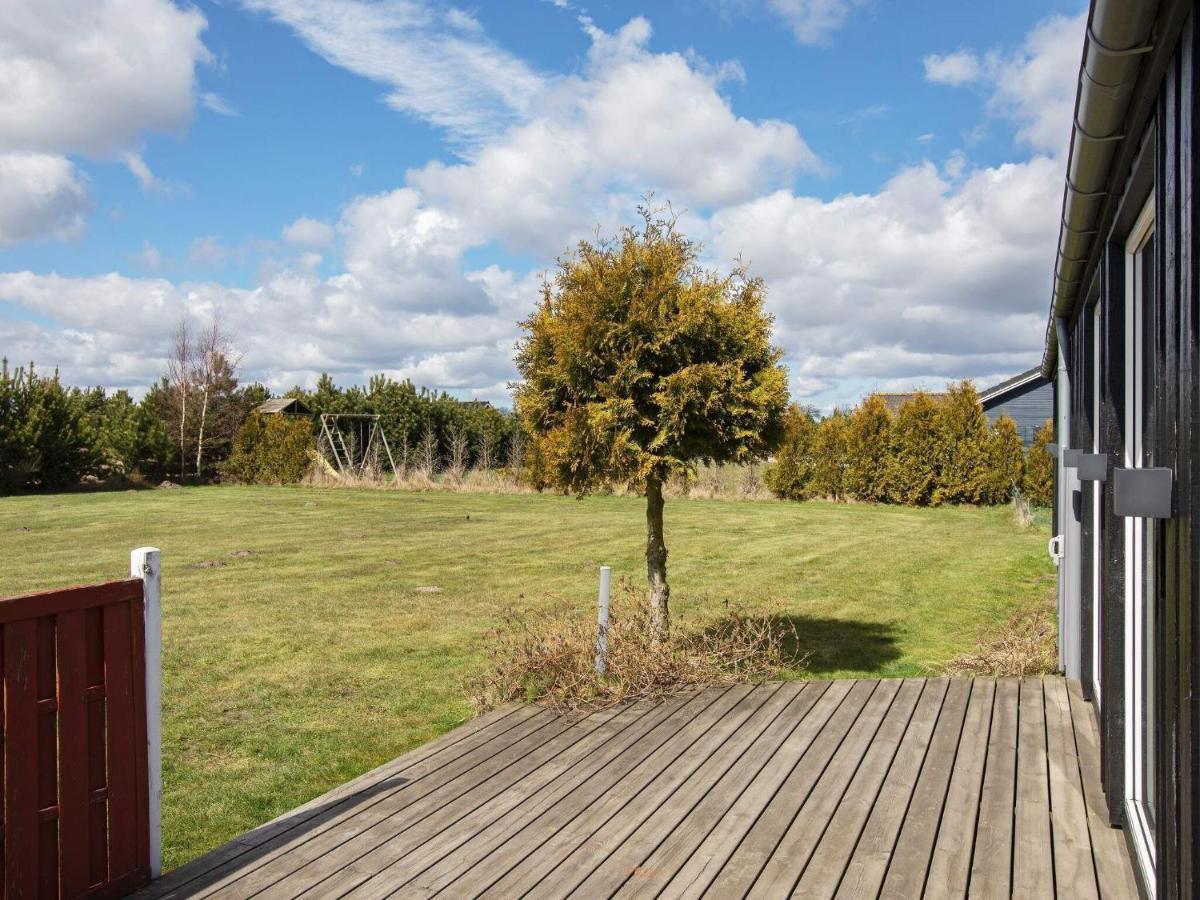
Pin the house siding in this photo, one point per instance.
(1172, 436)
(1029, 406)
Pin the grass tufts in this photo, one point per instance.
(550, 658)
(1027, 644)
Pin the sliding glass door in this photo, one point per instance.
(1143, 546)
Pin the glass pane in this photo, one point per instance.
(1150, 539)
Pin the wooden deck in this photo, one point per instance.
(905, 788)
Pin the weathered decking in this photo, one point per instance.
(855, 789)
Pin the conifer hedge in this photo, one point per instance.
(935, 450)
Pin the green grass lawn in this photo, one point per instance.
(315, 657)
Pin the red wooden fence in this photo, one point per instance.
(75, 797)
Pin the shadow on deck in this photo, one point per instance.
(895, 788)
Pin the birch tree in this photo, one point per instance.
(214, 371)
(179, 377)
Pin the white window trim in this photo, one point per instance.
(1097, 515)
(1143, 836)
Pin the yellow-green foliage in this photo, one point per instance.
(791, 475)
(1038, 482)
(1007, 463)
(934, 451)
(868, 438)
(271, 450)
(964, 441)
(912, 472)
(639, 363)
(829, 457)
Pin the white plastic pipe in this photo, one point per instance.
(602, 621)
(146, 563)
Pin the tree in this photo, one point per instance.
(639, 364)
(868, 438)
(45, 439)
(829, 456)
(1007, 462)
(791, 476)
(914, 459)
(271, 450)
(964, 447)
(1037, 482)
(179, 379)
(214, 375)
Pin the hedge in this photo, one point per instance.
(935, 450)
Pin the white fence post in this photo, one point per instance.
(146, 563)
(602, 622)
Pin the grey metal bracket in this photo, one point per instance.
(1070, 458)
(1092, 466)
(1143, 493)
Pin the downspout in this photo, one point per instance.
(1067, 562)
(1118, 31)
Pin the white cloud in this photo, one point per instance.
(454, 78)
(207, 251)
(91, 76)
(813, 21)
(308, 232)
(631, 121)
(955, 69)
(41, 195)
(87, 77)
(1033, 84)
(149, 257)
(941, 273)
(928, 276)
(216, 103)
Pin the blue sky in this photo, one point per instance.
(361, 187)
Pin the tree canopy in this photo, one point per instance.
(640, 363)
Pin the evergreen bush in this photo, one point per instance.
(868, 440)
(791, 475)
(271, 449)
(912, 470)
(1037, 483)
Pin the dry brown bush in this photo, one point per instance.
(1027, 644)
(550, 658)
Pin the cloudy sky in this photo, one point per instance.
(362, 187)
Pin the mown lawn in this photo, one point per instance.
(315, 657)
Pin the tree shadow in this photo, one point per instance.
(824, 645)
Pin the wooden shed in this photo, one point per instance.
(283, 406)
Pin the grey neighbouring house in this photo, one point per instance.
(1028, 399)
(1123, 343)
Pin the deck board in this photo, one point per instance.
(903, 788)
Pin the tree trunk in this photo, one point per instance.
(200, 439)
(182, 427)
(656, 562)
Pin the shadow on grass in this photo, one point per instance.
(833, 645)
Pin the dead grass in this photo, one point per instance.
(1027, 644)
(550, 658)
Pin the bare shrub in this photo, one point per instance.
(550, 658)
(1022, 511)
(487, 451)
(427, 452)
(1027, 644)
(516, 452)
(460, 450)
